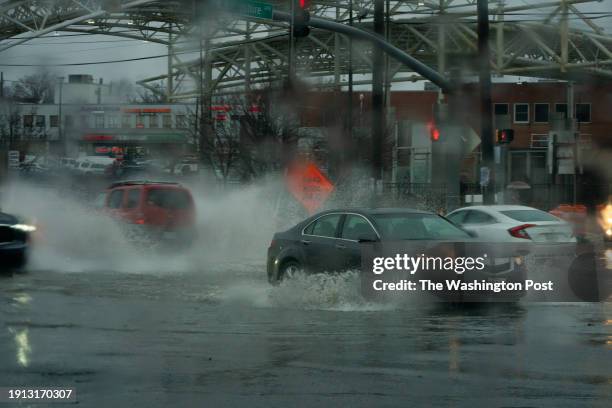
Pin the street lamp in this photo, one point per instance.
(62, 140)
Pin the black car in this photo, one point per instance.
(330, 241)
(14, 238)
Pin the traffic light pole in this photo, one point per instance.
(350, 77)
(378, 116)
(291, 69)
(486, 114)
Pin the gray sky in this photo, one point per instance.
(86, 48)
(70, 48)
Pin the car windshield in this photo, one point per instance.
(529, 215)
(169, 199)
(407, 226)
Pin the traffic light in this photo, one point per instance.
(434, 131)
(301, 17)
(504, 136)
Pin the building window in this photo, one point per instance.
(167, 121)
(540, 112)
(40, 121)
(521, 113)
(113, 121)
(500, 109)
(562, 109)
(28, 121)
(99, 120)
(54, 121)
(539, 141)
(583, 112)
(153, 121)
(126, 121)
(181, 121)
(140, 121)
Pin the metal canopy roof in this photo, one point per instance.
(551, 39)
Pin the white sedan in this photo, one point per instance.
(512, 223)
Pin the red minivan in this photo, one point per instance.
(154, 210)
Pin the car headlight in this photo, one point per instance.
(25, 227)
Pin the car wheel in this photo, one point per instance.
(288, 269)
(16, 263)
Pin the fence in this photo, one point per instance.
(433, 197)
(423, 196)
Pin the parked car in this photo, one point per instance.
(512, 223)
(33, 168)
(68, 163)
(14, 240)
(98, 165)
(158, 211)
(330, 241)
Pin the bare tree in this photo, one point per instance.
(9, 123)
(155, 95)
(268, 131)
(219, 149)
(35, 88)
(250, 135)
(123, 89)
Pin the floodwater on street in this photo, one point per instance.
(223, 337)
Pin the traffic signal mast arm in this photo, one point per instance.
(394, 52)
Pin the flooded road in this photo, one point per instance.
(228, 339)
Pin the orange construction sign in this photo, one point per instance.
(308, 185)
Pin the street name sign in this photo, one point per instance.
(249, 8)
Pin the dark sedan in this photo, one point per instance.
(14, 237)
(329, 241)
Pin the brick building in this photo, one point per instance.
(534, 110)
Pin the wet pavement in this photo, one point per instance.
(228, 339)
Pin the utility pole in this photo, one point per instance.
(350, 77)
(60, 128)
(170, 83)
(486, 114)
(571, 119)
(291, 67)
(387, 78)
(378, 119)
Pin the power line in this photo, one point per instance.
(83, 50)
(130, 59)
(87, 63)
(80, 42)
(70, 35)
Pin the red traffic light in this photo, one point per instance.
(434, 132)
(301, 17)
(504, 136)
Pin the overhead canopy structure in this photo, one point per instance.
(218, 51)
